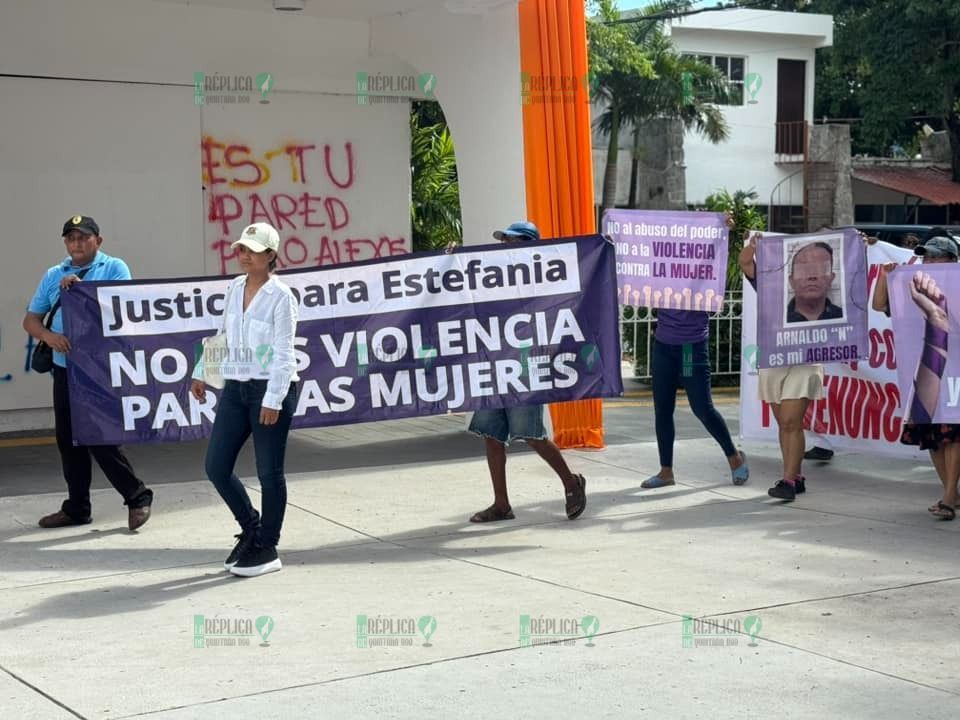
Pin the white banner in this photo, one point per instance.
(860, 410)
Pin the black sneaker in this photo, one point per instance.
(244, 540)
(257, 560)
(783, 491)
(818, 453)
(800, 485)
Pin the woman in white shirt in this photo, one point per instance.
(259, 398)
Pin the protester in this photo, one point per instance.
(911, 241)
(84, 261)
(789, 391)
(259, 398)
(681, 357)
(499, 427)
(941, 439)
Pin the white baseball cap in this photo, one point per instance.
(259, 237)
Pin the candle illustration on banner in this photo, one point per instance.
(667, 294)
(687, 293)
(646, 295)
(697, 300)
(709, 300)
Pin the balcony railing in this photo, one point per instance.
(791, 142)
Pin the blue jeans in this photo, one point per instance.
(687, 365)
(507, 424)
(238, 416)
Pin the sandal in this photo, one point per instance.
(944, 511)
(655, 481)
(577, 499)
(492, 514)
(936, 507)
(742, 473)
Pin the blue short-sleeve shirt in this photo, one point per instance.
(103, 267)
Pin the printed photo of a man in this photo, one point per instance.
(810, 280)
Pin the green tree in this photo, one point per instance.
(894, 65)
(740, 207)
(683, 88)
(640, 76)
(616, 63)
(435, 190)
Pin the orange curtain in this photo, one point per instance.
(558, 158)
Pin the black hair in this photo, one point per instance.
(273, 261)
(819, 244)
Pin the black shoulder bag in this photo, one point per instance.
(42, 359)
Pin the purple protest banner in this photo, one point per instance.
(484, 327)
(812, 295)
(668, 259)
(925, 310)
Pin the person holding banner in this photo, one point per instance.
(681, 357)
(84, 261)
(498, 427)
(788, 390)
(941, 439)
(259, 398)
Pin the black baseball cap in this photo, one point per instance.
(83, 223)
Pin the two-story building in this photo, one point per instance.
(769, 59)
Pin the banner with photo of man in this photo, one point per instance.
(925, 310)
(484, 327)
(860, 408)
(812, 298)
(668, 259)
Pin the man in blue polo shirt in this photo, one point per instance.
(81, 235)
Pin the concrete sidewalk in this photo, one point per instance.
(845, 601)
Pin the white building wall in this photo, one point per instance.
(746, 160)
(476, 58)
(114, 55)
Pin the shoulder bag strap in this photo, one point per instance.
(56, 306)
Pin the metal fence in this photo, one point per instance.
(637, 329)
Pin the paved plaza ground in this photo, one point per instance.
(843, 604)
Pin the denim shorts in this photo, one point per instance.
(506, 424)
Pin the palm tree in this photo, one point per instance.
(616, 65)
(435, 190)
(675, 86)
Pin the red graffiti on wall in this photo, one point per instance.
(313, 225)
